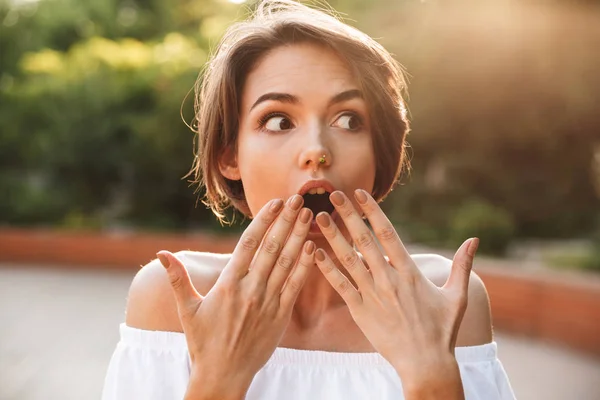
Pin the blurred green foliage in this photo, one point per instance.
(91, 94)
(505, 110)
(578, 257)
(475, 218)
(593, 261)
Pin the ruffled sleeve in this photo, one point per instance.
(307, 374)
(149, 365)
(155, 365)
(482, 373)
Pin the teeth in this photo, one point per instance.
(316, 191)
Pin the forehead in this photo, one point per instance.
(299, 69)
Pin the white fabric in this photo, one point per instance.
(155, 365)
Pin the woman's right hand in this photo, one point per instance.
(233, 330)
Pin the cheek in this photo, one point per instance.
(260, 163)
(358, 162)
(262, 157)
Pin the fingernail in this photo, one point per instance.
(473, 245)
(360, 196)
(309, 247)
(305, 215)
(163, 260)
(295, 202)
(276, 206)
(324, 220)
(320, 255)
(337, 198)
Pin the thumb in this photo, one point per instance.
(185, 292)
(462, 264)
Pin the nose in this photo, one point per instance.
(315, 155)
(318, 159)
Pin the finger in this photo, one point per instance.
(345, 253)
(361, 234)
(338, 281)
(250, 240)
(462, 264)
(297, 278)
(273, 242)
(186, 295)
(289, 255)
(385, 232)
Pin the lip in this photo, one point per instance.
(316, 183)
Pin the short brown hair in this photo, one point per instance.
(283, 22)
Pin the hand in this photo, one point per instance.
(410, 321)
(234, 329)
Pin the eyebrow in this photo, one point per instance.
(291, 99)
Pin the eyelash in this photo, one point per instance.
(265, 118)
(355, 115)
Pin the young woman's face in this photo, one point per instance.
(300, 104)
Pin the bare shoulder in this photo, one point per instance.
(476, 326)
(151, 303)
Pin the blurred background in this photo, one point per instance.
(504, 99)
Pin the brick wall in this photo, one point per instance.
(557, 307)
(82, 249)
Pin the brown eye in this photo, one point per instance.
(278, 123)
(350, 122)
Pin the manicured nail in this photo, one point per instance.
(337, 198)
(276, 206)
(324, 220)
(309, 247)
(361, 196)
(295, 202)
(305, 215)
(163, 260)
(473, 245)
(320, 255)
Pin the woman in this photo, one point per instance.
(296, 105)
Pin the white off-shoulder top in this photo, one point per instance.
(155, 365)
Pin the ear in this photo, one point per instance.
(228, 166)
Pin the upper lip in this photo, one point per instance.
(319, 183)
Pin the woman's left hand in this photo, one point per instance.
(410, 321)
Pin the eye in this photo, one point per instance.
(275, 123)
(349, 121)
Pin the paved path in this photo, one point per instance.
(58, 329)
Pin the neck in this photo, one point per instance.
(317, 298)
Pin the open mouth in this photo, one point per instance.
(318, 203)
